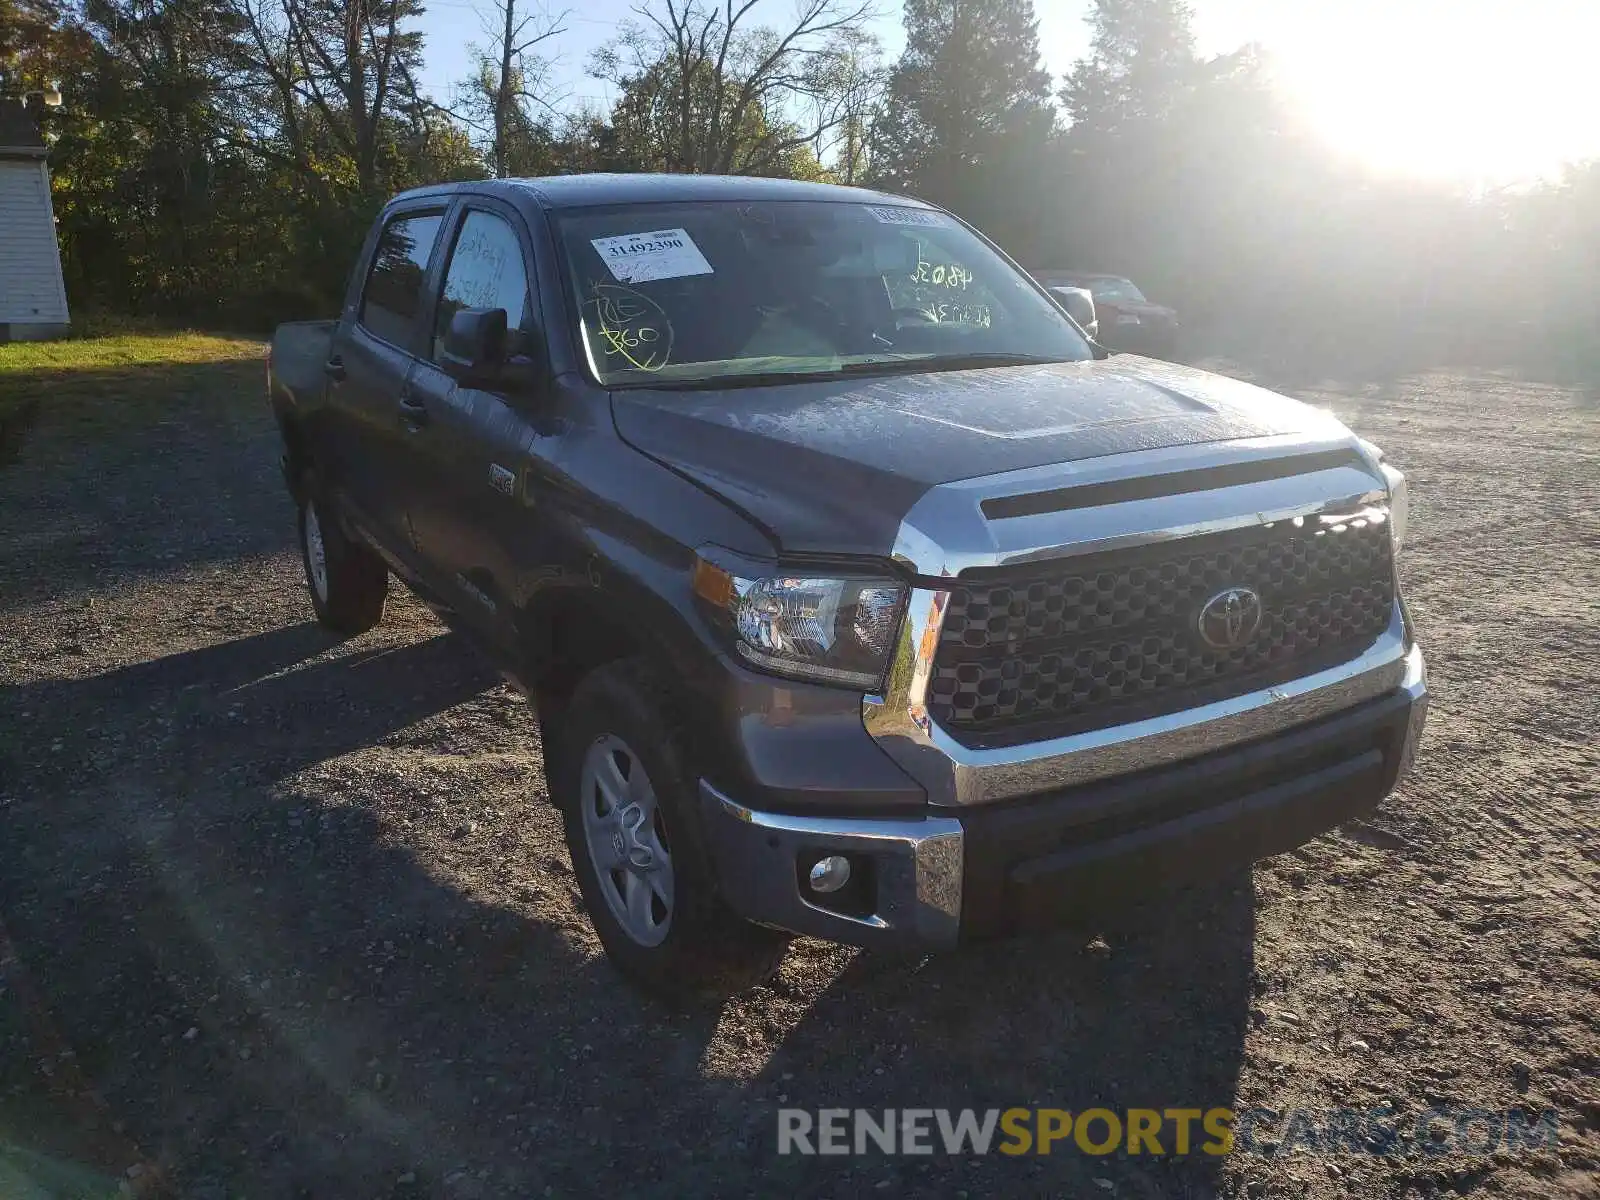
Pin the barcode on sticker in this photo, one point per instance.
(906, 216)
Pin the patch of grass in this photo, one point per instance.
(123, 350)
(101, 383)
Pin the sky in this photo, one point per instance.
(1480, 91)
(452, 24)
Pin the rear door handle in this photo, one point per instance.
(334, 369)
(412, 410)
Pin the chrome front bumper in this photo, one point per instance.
(923, 868)
(917, 864)
(957, 775)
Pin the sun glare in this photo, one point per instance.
(1484, 90)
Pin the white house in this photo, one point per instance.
(33, 298)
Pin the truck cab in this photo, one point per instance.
(857, 592)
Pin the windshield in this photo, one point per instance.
(1117, 289)
(679, 294)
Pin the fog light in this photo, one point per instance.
(830, 874)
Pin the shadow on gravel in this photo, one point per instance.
(130, 472)
(1157, 1022)
(96, 397)
(280, 999)
(251, 694)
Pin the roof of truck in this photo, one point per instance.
(589, 191)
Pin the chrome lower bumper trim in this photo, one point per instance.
(1414, 684)
(957, 775)
(918, 866)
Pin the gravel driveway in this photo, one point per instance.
(283, 916)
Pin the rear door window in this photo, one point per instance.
(393, 295)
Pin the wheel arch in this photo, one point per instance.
(566, 633)
(297, 461)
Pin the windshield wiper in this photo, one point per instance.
(752, 379)
(884, 366)
(949, 362)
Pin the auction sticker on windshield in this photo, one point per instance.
(659, 254)
(906, 216)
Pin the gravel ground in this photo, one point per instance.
(282, 916)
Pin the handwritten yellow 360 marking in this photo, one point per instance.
(633, 326)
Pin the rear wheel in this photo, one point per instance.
(634, 832)
(348, 582)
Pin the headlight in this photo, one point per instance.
(1399, 503)
(1399, 493)
(832, 630)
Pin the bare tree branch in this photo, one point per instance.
(713, 91)
(495, 103)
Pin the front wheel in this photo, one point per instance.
(637, 846)
(347, 581)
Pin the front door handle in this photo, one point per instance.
(413, 411)
(334, 369)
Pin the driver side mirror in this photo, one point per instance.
(1079, 305)
(474, 345)
(475, 353)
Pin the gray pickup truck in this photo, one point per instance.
(858, 593)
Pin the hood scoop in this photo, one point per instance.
(1172, 483)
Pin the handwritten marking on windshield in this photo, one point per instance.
(631, 326)
(946, 275)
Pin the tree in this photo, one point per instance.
(144, 185)
(501, 97)
(967, 117)
(1141, 62)
(848, 94)
(30, 30)
(325, 77)
(220, 160)
(706, 91)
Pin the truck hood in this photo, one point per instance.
(1159, 313)
(833, 467)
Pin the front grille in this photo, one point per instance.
(1115, 637)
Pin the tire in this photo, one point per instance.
(619, 770)
(347, 581)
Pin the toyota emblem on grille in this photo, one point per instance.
(1230, 618)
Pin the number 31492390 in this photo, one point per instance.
(645, 247)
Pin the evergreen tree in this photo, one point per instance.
(968, 98)
(1141, 64)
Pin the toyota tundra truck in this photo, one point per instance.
(858, 594)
